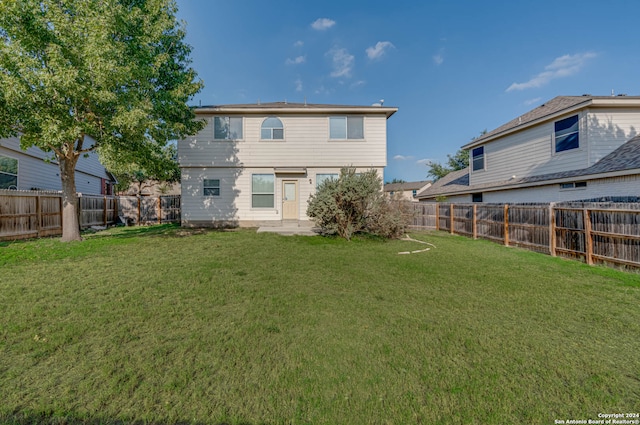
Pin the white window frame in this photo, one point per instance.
(271, 130)
(211, 185)
(481, 156)
(229, 118)
(11, 174)
(272, 192)
(321, 177)
(346, 127)
(564, 135)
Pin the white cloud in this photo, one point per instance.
(342, 61)
(532, 101)
(298, 43)
(563, 66)
(403, 158)
(298, 84)
(322, 24)
(357, 84)
(438, 59)
(296, 61)
(377, 51)
(425, 161)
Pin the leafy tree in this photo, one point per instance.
(396, 181)
(459, 161)
(354, 203)
(162, 168)
(115, 70)
(456, 162)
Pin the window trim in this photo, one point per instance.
(332, 176)
(228, 139)
(272, 139)
(565, 135)
(579, 185)
(346, 118)
(479, 157)
(211, 186)
(12, 174)
(272, 193)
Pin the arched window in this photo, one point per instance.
(272, 129)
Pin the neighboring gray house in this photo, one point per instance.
(406, 190)
(570, 148)
(34, 169)
(257, 164)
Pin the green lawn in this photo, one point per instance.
(165, 325)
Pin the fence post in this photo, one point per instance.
(552, 229)
(104, 211)
(451, 220)
(506, 224)
(437, 215)
(588, 243)
(139, 206)
(38, 215)
(159, 209)
(474, 223)
(60, 210)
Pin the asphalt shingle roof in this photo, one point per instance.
(626, 157)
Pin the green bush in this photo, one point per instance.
(355, 203)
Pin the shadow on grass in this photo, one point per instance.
(55, 419)
(158, 230)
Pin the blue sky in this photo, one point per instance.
(453, 68)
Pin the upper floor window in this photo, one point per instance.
(8, 173)
(477, 156)
(341, 128)
(227, 128)
(272, 129)
(566, 134)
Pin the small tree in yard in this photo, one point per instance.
(115, 70)
(355, 203)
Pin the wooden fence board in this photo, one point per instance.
(28, 214)
(594, 232)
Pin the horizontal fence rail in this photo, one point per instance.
(593, 232)
(30, 214)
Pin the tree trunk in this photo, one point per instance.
(70, 223)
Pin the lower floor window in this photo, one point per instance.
(8, 173)
(321, 178)
(476, 197)
(211, 187)
(262, 190)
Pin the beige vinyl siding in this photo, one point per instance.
(528, 153)
(306, 144)
(608, 129)
(234, 203)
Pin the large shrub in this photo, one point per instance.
(354, 202)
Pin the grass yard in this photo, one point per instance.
(165, 325)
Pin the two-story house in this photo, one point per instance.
(258, 164)
(570, 148)
(34, 169)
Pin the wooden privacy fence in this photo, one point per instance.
(30, 214)
(594, 232)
